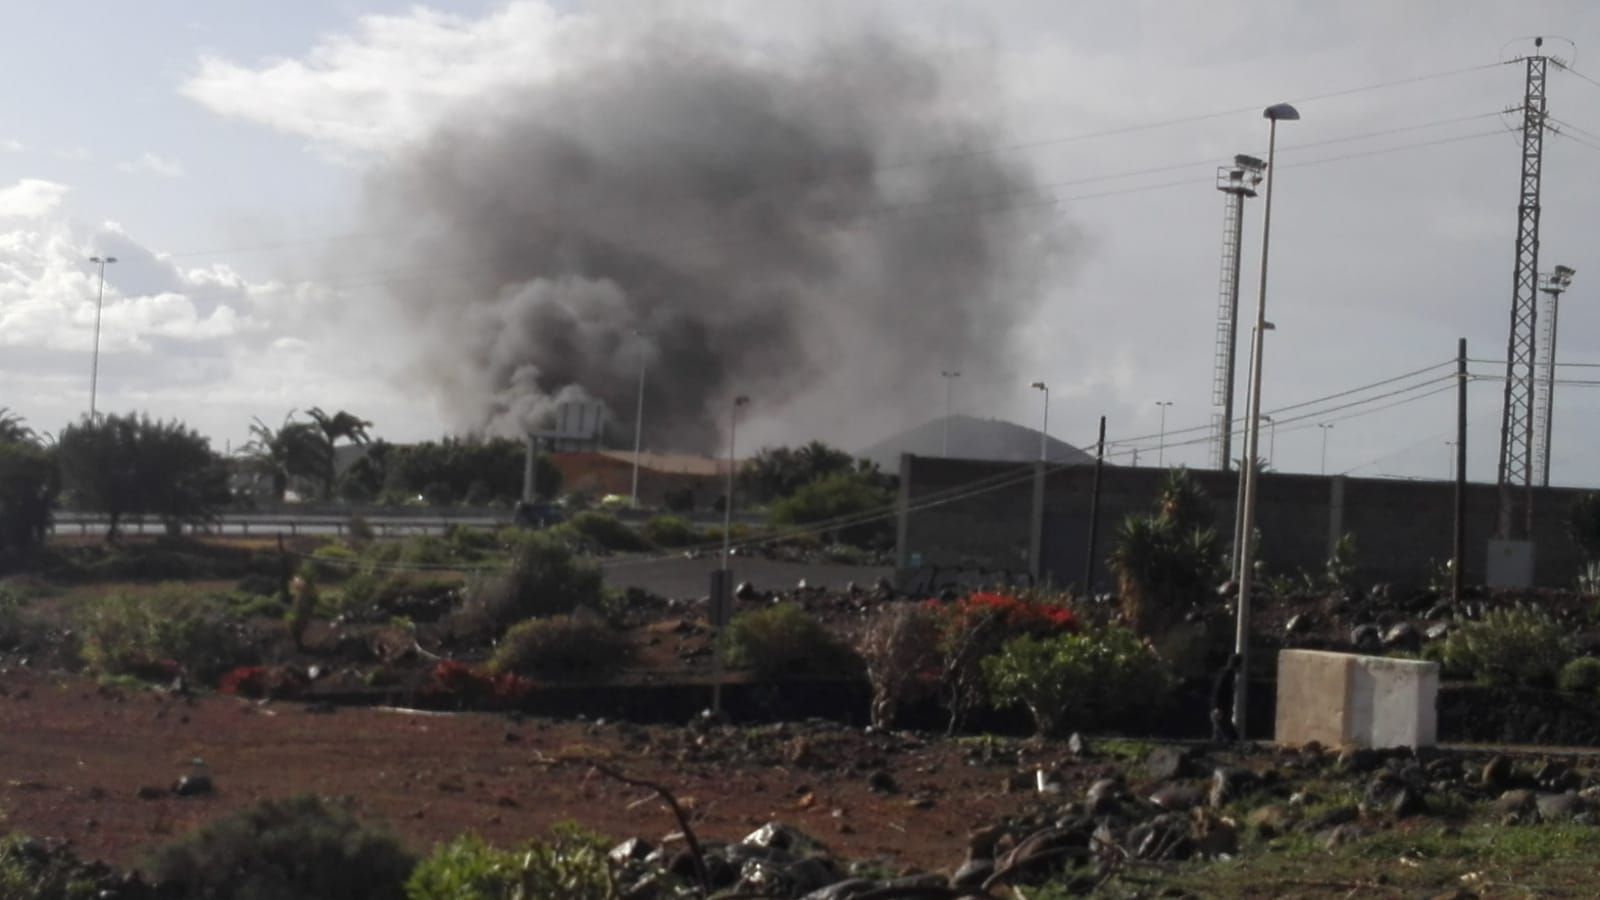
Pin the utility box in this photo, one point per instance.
(1510, 564)
(1346, 700)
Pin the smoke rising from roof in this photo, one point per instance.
(808, 228)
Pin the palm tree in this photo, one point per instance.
(293, 450)
(13, 431)
(339, 425)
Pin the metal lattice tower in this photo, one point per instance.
(1237, 181)
(1516, 470)
(1552, 285)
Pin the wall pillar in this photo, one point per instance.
(1335, 513)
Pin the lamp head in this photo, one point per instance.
(1039, 386)
(1281, 112)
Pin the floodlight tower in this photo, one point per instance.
(1552, 285)
(1516, 469)
(1237, 181)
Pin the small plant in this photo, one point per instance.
(977, 626)
(784, 640)
(544, 579)
(571, 865)
(303, 847)
(607, 531)
(670, 531)
(1580, 676)
(155, 635)
(560, 647)
(331, 563)
(467, 688)
(1078, 680)
(1512, 646)
(900, 648)
(31, 870)
(258, 682)
(1340, 572)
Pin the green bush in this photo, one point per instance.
(571, 865)
(560, 647)
(839, 495)
(1080, 680)
(1166, 562)
(544, 578)
(783, 640)
(259, 584)
(125, 634)
(13, 621)
(302, 848)
(670, 531)
(426, 551)
(1511, 646)
(1580, 676)
(470, 544)
(607, 531)
(332, 563)
(30, 870)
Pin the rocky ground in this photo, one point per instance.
(805, 809)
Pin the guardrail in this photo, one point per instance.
(330, 523)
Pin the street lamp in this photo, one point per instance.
(949, 378)
(1326, 427)
(638, 421)
(1161, 446)
(1272, 441)
(1044, 433)
(1553, 285)
(1241, 639)
(727, 502)
(99, 303)
(1256, 331)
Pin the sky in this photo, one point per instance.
(228, 155)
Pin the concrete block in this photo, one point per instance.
(1346, 700)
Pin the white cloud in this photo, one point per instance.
(30, 198)
(151, 164)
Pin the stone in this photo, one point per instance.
(1299, 623)
(1403, 636)
(1366, 638)
(1270, 820)
(1438, 631)
(1213, 836)
(193, 786)
(1166, 763)
(880, 781)
(747, 592)
(1226, 784)
(1077, 746)
(1514, 802)
(151, 792)
(972, 873)
(1496, 772)
(631, 850)
(1101, 798)
(1340, 835)
(1358, 759)
(1175, 797)
(1406, 803)
(1559, 807)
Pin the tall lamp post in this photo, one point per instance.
(1161, 447)
(638, 422)
(99, 303)
(1553, 285)
(1326, 427)
(1044, 432)
(1241, 638)
(1272, 440)
(727, 503)
(949, 380)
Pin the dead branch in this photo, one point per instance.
(695, 851)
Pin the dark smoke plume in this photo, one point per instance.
(810, 229)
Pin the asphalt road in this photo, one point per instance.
(692, 577)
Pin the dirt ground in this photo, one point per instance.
(74, 756)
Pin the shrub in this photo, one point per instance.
(840, 495)
(426, 551)
(1511, 646)
(468, 688)
(259, 584)
(1581, 675)
(31, 870)
(560, 647)
(302, 847)
(1080, 680)
(544, 579)
(977, 626)
(470, 544)
(332, 563)
(607, 531)
(670, 531)
(148, 635)
(572, 865)
(1168, 561)
(783, 640)
(15, 626)
(900, 648)
(361, 531)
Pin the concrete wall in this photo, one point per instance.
(1020, 517)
